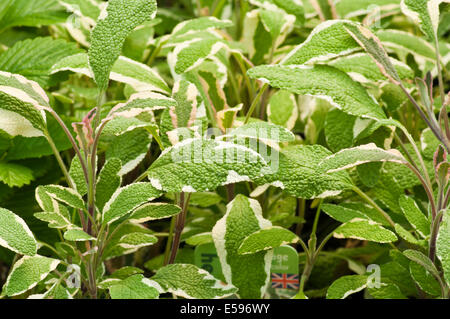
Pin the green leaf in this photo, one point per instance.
(135, 241)
(54, 220)
(154, 211)
(339, 130)
(324, 82)
(22, 105)
(443, 245)
(15, 234)
(326, 41)
(34, 58)
(372, 45)
(350, 8)
(187, 96)
(414, 215)
(425, 13)
(15, 175)
(386, 291)
(126, 199)
(365, 230)
(249, 273)
(429, 143)
(130, 148)
(290, 6)
(424, 279)
(419, 258)
(200, 24)
(30, 13)
(362, 68)
(126, 272)
(138, 75)
(27, 273)
(346, 285)
(77, 234)
(134, 287)
(341, 213)
(189, 281)
(62, 194)
(114, 24)
(282, 109)
(200, 239)
(197, 165)
(351, 157)
(267, 239)
(297, 173)
(109, 180)
(263, 131)
(77, 175)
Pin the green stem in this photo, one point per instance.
(59, 159)
(373, 204)
(255, 103)
(439, 69)
(169, 240)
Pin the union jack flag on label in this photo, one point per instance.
(285, 281)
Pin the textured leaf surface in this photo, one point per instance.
(109, 180)
(34, 58)
(77, 235)
(443, 245)
(351, 157)
(365, 230)
(249, 273)
(197, 165)
(27, 273)
(15, 234)
(138, 75)
(346, 285)
(341, 213)
(137, 240)
(419, 258)
(134, 287)
(154, 211)
(127, 198)
(326, 41)
(282, 109)
(115, 23)
(297, 173)
(339, 130)
(263, 131)
(266, 239)
(189, 281)
(323, 82)
(414, 215)
(15, 175)
(62, 194)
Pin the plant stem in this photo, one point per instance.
(255, 103)
(59, 159)
(179, 226)
(373, 204)
(439, 70)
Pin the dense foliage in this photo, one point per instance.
(136, 135)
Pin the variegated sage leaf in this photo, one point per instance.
(134, 287)
(197, 165)
(27, 272)
(347, 285)
(249, 273)
(443, 245)
(114, 24)
(283, 109)
(109, 180)
(414, 215)
(15, 234)
(62, 194)
(363, 229)
(267, 239)
(189, 281)
(324, 82)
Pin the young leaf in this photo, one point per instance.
(154, 211)
(134, 287)
(27, 273)
(138, 75)
(189, 281)
(346, 285)
(15, 234)
(419, 258)
(297, 173)
(324, 82)
(197, 165)
(443, 245)
(267, 239)
(249, 273)
(126, 199)
(114, 24)
(365, 230)
(77, 175)
(62, 194)
(425, 13)
(282, 109)
(54, 220)
(341, 213)
(77, 234)
(135, 241)
(200, 239)
(424, 279)
(200, 24)
(414, 215)
(351, 157)
(109, 180)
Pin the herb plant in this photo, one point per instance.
(133, 133)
